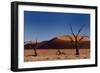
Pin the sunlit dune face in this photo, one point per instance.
(63, 38)
(68, 38)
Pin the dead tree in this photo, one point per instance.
(34, 48)
(75, 40)
(58, 52)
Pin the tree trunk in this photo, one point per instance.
(35, 52)
(77, 50)
(76, 47)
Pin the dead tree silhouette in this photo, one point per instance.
(58, 52)
(75, 41)
(34, 48)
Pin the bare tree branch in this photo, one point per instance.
(72, 30)
(81, 38)
(36, 43)
(80, 29)
(72, 41)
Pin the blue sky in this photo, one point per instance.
(46, 25)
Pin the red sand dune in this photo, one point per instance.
(63, 41)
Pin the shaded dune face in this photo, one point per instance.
(63, 42)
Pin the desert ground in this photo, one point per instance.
(51, 54)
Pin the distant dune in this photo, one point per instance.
(63, 42)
